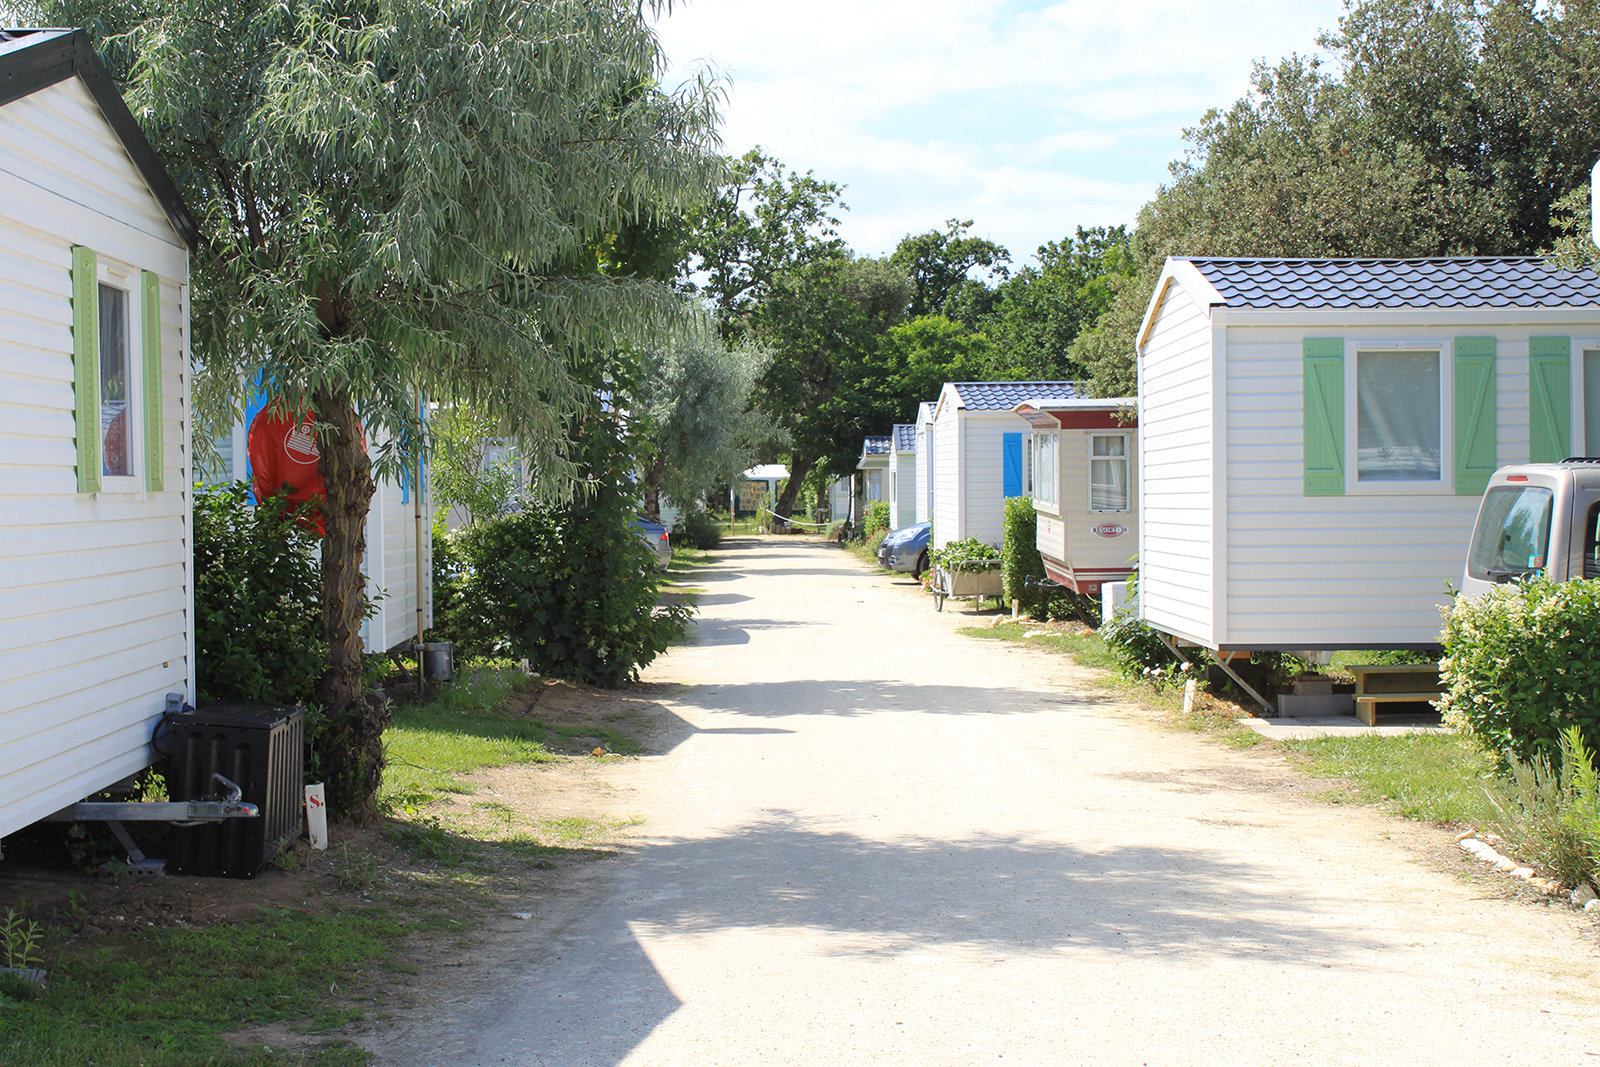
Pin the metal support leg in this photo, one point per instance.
(1271, 711)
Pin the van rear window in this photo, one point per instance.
(1513, 534)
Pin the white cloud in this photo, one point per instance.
(1028, 118)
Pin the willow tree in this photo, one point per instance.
(405, 199)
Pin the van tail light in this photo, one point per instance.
(1516, 477)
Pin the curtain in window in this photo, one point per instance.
(1108, 474)
(1397, 417)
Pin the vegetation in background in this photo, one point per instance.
(1451, 128)
(569, 585)
(471, 469)
(697, 529)
(1548, 811)
(876, 520)
(1522, 664)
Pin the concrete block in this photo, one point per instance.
(1291, 706)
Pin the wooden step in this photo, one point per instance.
(1367, 703)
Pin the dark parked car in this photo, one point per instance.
(655, 535)
(906, 549)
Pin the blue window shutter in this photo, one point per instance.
(1322, 398)
(1475, 414)
(1549, 399)
(1011, 456)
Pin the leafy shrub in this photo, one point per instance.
(1135, 646)
(1522, 664)
(875, 539)
(1022, 574)
(257, 601)
(570, 585)
(697, 529)
(1550, 815)
(877, 518)
(969, 552)
(836, 531)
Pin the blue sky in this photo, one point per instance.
(1029, 118)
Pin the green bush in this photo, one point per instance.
(876, 539)
(697, 529)
(570, 585)
(1550, 815)
(836, 530)
(876, 518)
(1522, 664)
(257, 601)
(1022, 574)
(1138, 651)
(969, 552)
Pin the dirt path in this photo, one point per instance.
(872, 839)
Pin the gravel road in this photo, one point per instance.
(871, 839)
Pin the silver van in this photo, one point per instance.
(1536, 518)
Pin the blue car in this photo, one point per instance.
(906, 549)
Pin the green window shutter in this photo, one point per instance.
(1323, 395)
(86, 366)
(150, 328)
(1549, 399)
(1475, 414)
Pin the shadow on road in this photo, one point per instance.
(856, 696)
(597, 995)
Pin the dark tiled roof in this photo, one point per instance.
(1457, 282)
(1003, 396)
(905, 437)
(875, 446)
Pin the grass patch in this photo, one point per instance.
(165, 998)
(1434, 776)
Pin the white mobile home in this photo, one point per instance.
(903, 475)
(924, 510)
(1084, 453)
(1316, 435)
(874, 467)
(95, 580)
(980, 455)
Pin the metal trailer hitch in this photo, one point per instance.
(177, 812)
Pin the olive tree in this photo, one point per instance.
(406, 200)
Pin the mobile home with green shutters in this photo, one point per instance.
(1317, 433)
(95, 589)
(980, 455)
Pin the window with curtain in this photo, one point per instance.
(117, 411)
(1044, 467)
(1398, 419)
(1108, 472)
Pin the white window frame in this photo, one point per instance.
(1088, 468)
(1580, 424)
(121, 276)
(1052, 484)
(1445, 483)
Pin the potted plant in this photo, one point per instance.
(966, 568)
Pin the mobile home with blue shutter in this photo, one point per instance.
(1316, 435)
(980, 455)
(95, 471)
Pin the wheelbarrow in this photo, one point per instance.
(966, 580)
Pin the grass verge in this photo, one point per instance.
(1438, 777)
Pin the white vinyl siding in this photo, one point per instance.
(945, 472)
(391, 538)
(1177, 515)
(1354, 571)
(94, 587)
(903, 488)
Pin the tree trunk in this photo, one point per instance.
(799, 467)
(652, 488)
(352, 743)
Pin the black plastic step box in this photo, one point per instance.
(261, 748)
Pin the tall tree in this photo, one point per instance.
(1039, 311)
(694, 406)
(406, 199)
(1450, 128)
(765, 219)
(821, 321)
(940, 264)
